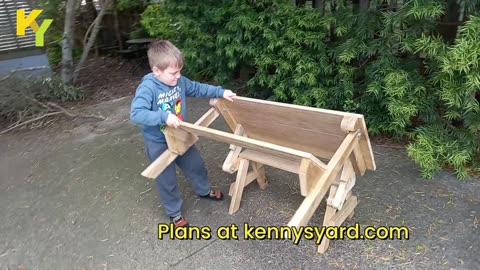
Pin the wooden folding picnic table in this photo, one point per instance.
(289, 137)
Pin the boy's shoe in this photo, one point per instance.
(213, 195)
(179, 221)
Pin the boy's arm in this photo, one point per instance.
(141, 110)
(196, 89)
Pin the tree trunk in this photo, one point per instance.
(91, 10)
(67, 42)
(318, 4)
(448, 25)
(363, 5)
(90, 15)
(117, 26)
(93, 36)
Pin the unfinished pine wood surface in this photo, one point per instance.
(288, 137)
(159, 164)
(239, 186)
(308, 175)
(347, 181)
(231, 162)
(208, 118)
(313, 130)
(311, 202)
(329, 214)
(259, 171)
(249, 143)
(179, 141)
(218, 105)
(251, 176)
(288, 165)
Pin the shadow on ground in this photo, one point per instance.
(76, 200)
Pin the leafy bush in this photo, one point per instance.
(388, 62)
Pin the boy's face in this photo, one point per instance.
(168, 76)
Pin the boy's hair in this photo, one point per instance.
(162, 54)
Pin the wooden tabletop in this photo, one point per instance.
(140, 40)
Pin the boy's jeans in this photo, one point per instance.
(192, 166)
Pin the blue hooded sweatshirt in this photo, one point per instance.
(154, 100)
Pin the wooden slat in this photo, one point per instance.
(157, 166)
(259, 171)
(207, 118)
(311, 202)
(178, 144)
(231, 162)
(343, 214)
(239, 186)
(359, 159)
(329, 214)
(310, 173)
(273, 161)
(178, 140)
(246, 142)
(321, 132)
(219, 104)
(319, 144)
(366, 147)
(261, 119)
(347, 181)
(251, 176)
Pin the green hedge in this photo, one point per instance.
(388, 63)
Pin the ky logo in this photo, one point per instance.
(23, 22)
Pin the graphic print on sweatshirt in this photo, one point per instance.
(171, 101)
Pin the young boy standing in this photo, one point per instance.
(160, 99)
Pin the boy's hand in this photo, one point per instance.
(228, 95)
(173, 121)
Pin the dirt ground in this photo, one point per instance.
(73, 198)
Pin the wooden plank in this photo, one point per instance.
(219, 104)
(251, 176)
(347, 171)
(271, 160)
(349, 123)
(343, 214)
(270, 109)
(231, 162)
(352, 123)
(272, 121)
(309, 174)
(334, 218)
(347, 181)
(249, 143)
(329, 214)
(207, 118)
(259, 171)
(311, 202)
(239, 186)
(178, 140)
(366, 147)
(158, 165)
(359, 159)
(319, 144)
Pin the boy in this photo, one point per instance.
(160, 99)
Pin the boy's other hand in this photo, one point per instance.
(228, 95)
(173, 121)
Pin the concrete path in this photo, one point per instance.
(73, 198)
